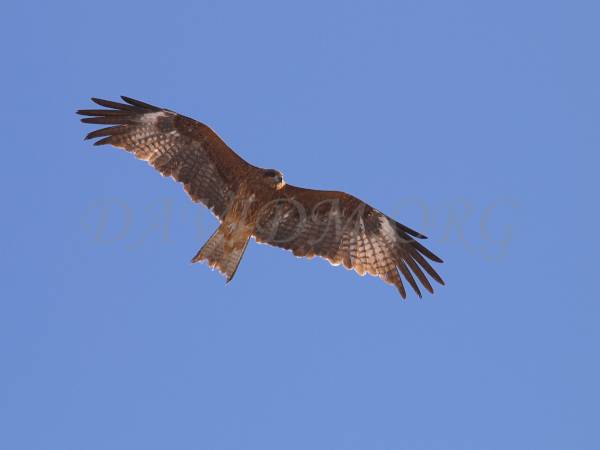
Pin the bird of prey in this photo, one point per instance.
(254, 202)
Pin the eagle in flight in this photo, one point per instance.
(254, 202)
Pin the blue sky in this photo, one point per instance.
(473, 122)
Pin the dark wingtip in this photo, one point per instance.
(410, 231)
(139, 104)
(104, 141)
(436, 258)
(417, 234)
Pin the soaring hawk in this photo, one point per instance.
(254, 202)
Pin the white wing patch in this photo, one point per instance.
(152, 117)
(387, 229)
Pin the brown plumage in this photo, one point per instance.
(254, 202)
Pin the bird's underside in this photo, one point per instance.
(254, 202)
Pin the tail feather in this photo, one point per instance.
(222, 254)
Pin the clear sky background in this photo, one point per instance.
(474, 122)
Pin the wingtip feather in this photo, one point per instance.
(139, 104)
(104, 141)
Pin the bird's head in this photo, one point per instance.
(273, 178)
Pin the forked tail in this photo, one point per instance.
(222, 252)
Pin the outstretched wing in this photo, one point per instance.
(175, 145)
(345, 230)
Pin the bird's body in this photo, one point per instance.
(226, 247)
(254, 202)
